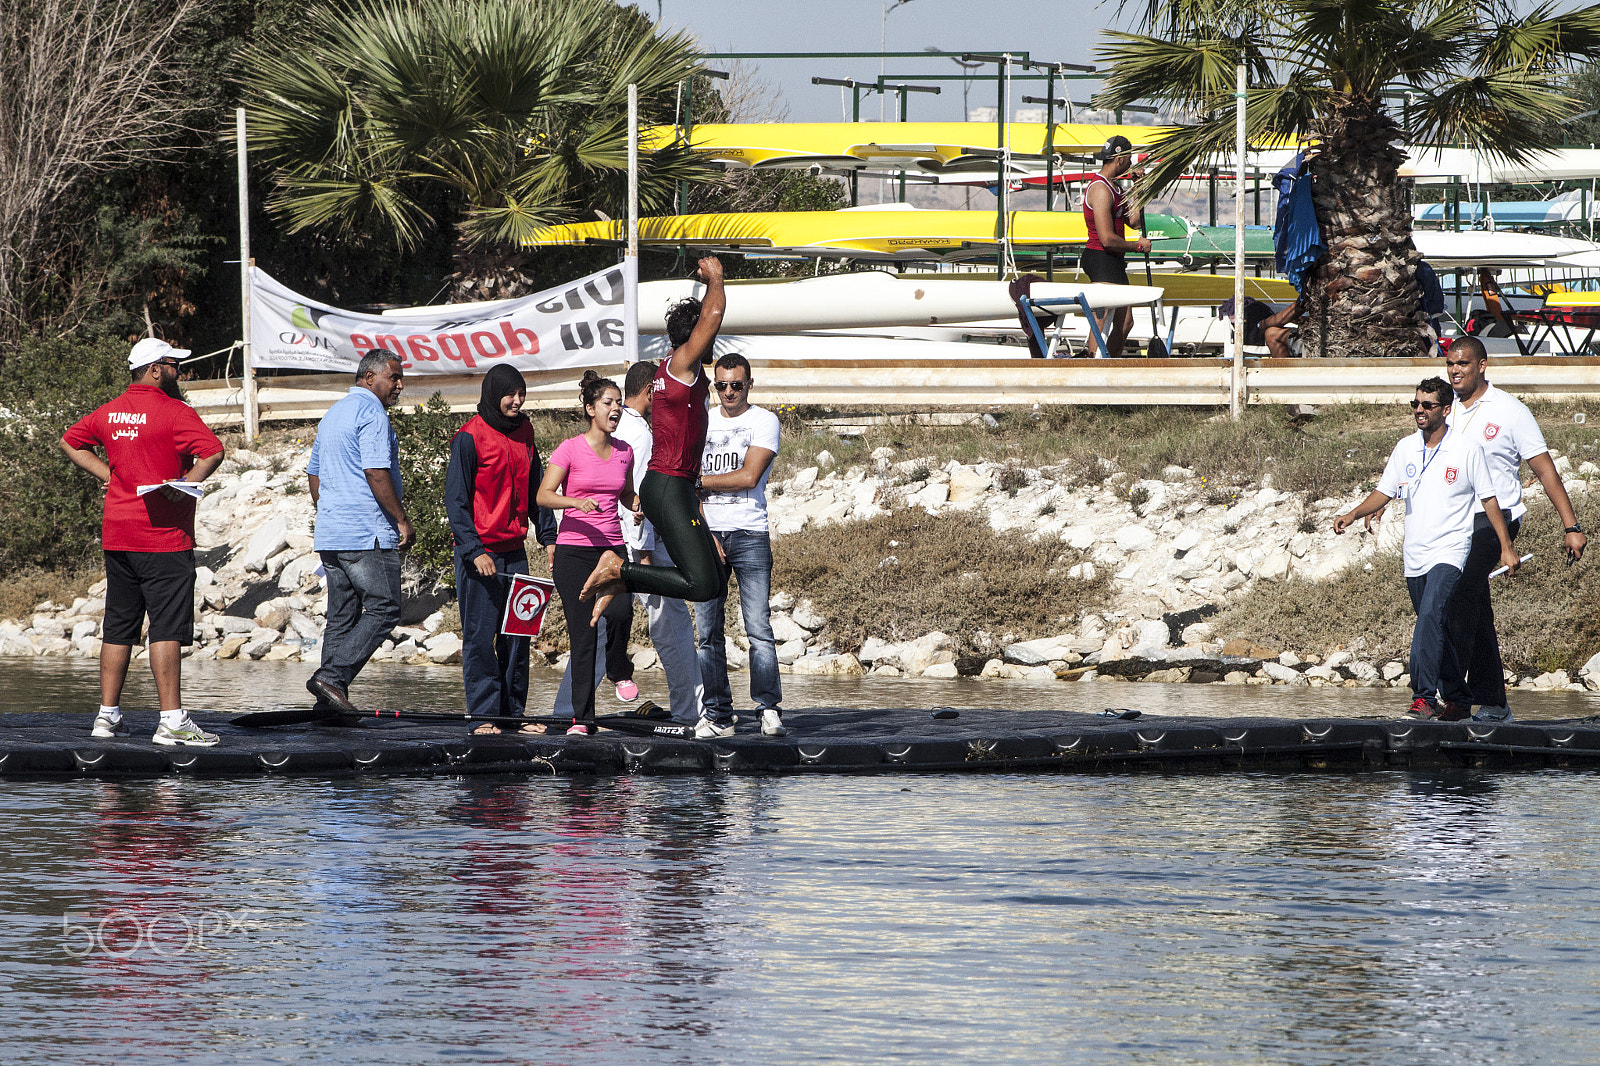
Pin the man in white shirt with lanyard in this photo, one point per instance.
(1503, 428)
(1441, 477)
(741, 442)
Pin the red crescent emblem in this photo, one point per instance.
(1449, 475)
(1491, 431)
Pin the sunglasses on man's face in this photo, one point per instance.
(1423, 405)
(734, 386)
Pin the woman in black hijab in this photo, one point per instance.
(494, 474)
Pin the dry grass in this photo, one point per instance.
(1545, 615)
(1366, 605)
(906, 573)
(1342, 449)
(21, 592)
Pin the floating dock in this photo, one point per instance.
(823, 741)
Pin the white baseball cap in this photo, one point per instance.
(151, 349)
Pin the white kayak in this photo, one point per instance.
(871, 299)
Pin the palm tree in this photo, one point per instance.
(512, 112)
(1477, 73)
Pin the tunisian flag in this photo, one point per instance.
(525, 605)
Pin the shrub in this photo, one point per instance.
(906, 573)
(424, 433)
(52, 510)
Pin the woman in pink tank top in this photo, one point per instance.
(587, 478)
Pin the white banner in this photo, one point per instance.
(589, 322)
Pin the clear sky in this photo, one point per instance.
(1065, 31)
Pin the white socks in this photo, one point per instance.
(174, 718)
(111, 714)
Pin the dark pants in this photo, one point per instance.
(1470, 617)
(573, 566)
(1434, 666)
(696, 574)
(494, 667)
(363, 609)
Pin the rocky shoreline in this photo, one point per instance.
(1174, 549)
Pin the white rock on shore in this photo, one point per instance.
(1173, 545)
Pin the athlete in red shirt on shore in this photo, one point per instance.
(1106, 214)
(150, 437)
(670, 491)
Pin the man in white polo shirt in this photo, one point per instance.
(741, 442)
(1441, 478)
(1504, 429)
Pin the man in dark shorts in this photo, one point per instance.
(150, 438)
(670, 490)
(1265, 327)
(1105, 215)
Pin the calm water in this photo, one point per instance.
(1377, 918)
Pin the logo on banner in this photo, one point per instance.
(526, 604)
(1491, 431)
(1449, 475)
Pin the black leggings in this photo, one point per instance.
(574, 564)
(672, 506)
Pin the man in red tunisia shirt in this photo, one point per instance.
(150, 437)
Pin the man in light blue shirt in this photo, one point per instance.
(362, 527)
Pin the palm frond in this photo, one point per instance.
(1506, 114)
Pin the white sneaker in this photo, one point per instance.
(772, 723)
(706, 729)
(105, 728)
(185, 733)
(1492, 714)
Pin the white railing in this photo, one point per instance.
(976, 382)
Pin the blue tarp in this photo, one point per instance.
(1296, 237)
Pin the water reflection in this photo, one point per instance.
(1312, 918)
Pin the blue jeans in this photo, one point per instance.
(494, 667)
(750, 559)
(363, 609)
(1434, 664)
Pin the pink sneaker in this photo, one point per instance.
(627, 691)
(578, 729)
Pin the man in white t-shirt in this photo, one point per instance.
(1441, 478)
(741, 442)
(670, 629)
(1504, 429)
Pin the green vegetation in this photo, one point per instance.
(507, 114)
(51, 509)
(1355, 78)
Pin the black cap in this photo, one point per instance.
(1116, 146)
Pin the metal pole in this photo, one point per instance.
(688, 128)
(1235, 391)
(1005, 165)
(630, 282)
(633, 171)
(251, 414)
(904, 93)
(855, 116)
(1050, 144)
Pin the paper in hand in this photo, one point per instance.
(188, 488)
